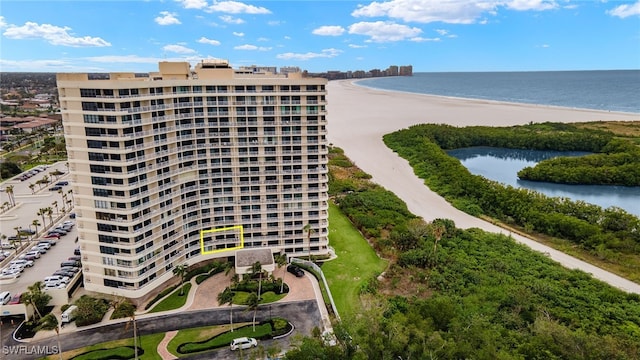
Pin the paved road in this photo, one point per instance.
(360, 117)
(304, 315)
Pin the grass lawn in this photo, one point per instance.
(219, 336)
(356, 263)
(124, 347)
(173, 301)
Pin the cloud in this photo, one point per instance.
(179, 49)
(275, 22)
(235, 7)
(54, 35)
(263, 39)
(421, 39)
(447, 11)
(354, 46)
(54, 65)
(167, 18)
(251, 48)
(239, 34)
(426, 11)
(326, 53)
(381, 31)
(538, 5)
(193, 4)
(231, 20)
(625, 10)
(329, 30)
(204, 40)
(3, 23)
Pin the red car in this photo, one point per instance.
(51, 236)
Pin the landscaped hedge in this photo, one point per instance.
(109, 354)
(252, 287)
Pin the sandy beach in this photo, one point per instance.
(358, 117)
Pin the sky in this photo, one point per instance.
(318, 36)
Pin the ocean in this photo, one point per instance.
(609, 90)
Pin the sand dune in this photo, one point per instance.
(359, 117)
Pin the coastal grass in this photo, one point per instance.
(113, 349)
(355, 265)
(173, 301)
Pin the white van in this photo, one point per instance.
(5, 297)
(69, 314)
(6, 246)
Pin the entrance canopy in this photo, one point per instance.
(245, 259)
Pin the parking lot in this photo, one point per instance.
(29, 201)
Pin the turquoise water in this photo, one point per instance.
(502, 165)
(614, 90)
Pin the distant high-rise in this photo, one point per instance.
(187, 165)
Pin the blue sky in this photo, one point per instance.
(431, 35)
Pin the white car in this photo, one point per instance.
(34, 253)
(243, 343)
(45, 245)
(55, 286)
(11, 272)
(42, 250)
(21, 262)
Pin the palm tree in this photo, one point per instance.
(36, 297)
(45, 179)
(55, 205)
(49, 212)
(253, 301)
(70, 192)
(309, 231)
(181, 271)
(226, 297)
(32, 186)
(18, 234)
(6, 205)
(281, 260)
(256, 268)
(42, 212)
(50, 322)
(9, 191)
(128, 311)
(36, 223)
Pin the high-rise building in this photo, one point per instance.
(186, 165)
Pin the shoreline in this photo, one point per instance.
(490, 101)
(358, 117)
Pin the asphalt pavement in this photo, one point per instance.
(304, 315)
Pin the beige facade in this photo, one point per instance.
(180, 166)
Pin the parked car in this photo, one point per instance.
(40, 249)
(6, 245)
(15, 299)
(69, 222)
(70, 263)
(243, 343)
(68, 274)
(30, 255)
(62, 183)
(76, 251)
(72, 216)
(55, 188)
(43, 245)
(51, 242)
(71, 269)
(25, 263)
(52, 236)
(60, 231)
(56, 279)
(5, 297)
(26, 232)
(295, 270)
(11, 271)
(53, 285)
